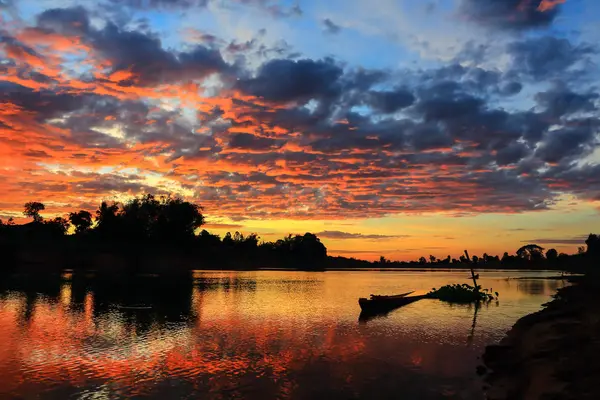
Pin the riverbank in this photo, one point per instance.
(553, 353)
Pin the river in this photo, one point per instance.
(254, 335)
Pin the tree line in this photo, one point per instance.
(168, 223)
(152, 223)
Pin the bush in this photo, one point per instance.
(462, 294)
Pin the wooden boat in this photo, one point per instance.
(134, 307)
(387, 303)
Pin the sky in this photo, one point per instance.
(389, 128)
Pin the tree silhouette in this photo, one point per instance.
(107, 218)
(9, 222)
(531, 252)
(32, 209)
(552, 255)
(57, 226)
(81, 220)
(175, 219)
(593, 246)
(304, 251)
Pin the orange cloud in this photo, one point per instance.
(547, 5)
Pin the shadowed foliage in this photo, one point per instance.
(152, 234)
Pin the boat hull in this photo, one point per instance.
(386, 304)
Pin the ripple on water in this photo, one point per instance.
(254, 335)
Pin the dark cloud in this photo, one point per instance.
(508, 14)
(571, 240)
(548, 56)
(70, 21)
(148, 4)
(43, 104)
(287, 80)
(330, 27)
(560, 101)
(251, 142)
(268, 6)
(565, 142)
(513, 153)
(445, 108)
(511, 88)
(136, 52)
(348, 235)
(144, 56)
(388, 102)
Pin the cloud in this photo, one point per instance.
(330, 27)
(93, 106)
(511, 15)
(150, 4)
(388, 102)
(266, 6)
(251, 142)
(571, 240)
(548, 56)
(288, 80)
(560, 101)
(216, 225)
(347, 235)
(138, 56)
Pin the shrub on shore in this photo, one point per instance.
(462, 293)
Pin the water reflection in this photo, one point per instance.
(247, 335)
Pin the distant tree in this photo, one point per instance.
(531, 252)
(309, 248)
(383, 260)
(107, 219)
(422, 260)
(58, 225)
(432, 259)
(177, 219)
(552, 255)
(581, 250)
(228, 240)
(81, 220)
(305, 251)
(485, 258)
(9, 222)
(32, 209)
(475, 259)
(207, 239)
(593, 245)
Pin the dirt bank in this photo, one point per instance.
(552, 354)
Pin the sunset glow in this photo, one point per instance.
(387, 128)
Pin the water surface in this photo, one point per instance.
(256, 335)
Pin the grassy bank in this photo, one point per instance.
(551, 354)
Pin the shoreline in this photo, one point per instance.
(552, 353)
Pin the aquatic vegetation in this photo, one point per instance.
(462, 293)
